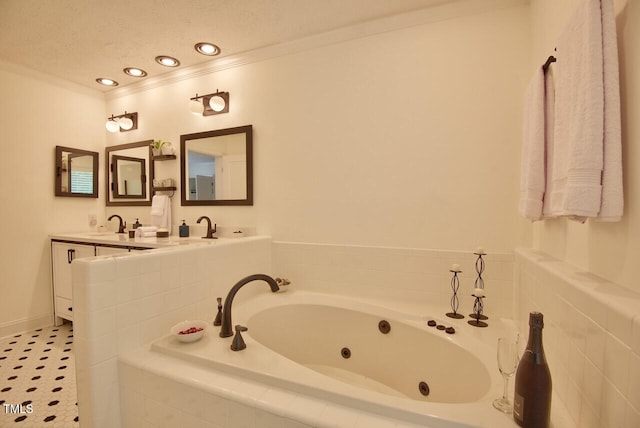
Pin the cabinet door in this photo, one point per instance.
(62, 255)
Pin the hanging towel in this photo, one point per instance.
(532, 178)
(161, 212)
(549, 123)
(587, 167)
(612, 197)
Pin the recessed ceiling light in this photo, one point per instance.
(106, 82)
(207, 48)
(167, 61)
(135, 72)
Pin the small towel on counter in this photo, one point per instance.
(146, 231)
(532, 178)
(587, 159)
(161, 212)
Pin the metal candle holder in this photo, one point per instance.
(455, 284)
(479, 284)
(477, 312)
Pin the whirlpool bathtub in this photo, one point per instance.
(368, 357)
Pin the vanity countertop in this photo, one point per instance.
(122, 239)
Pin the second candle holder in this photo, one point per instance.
(455, 285)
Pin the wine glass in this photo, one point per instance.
(507, 363)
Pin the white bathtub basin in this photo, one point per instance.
(295, 343)
(348, 345)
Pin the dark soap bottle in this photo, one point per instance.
(532, 401)
(183, 230)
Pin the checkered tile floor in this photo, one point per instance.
(38, 379)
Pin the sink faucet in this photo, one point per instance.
(225, 330)
(210, 231)
(121, 224)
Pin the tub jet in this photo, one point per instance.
(423, 388)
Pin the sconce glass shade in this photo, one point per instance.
(217, 103)
(125, 123)
(112, 125)
(196, 107)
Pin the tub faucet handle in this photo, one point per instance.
(282, 281)
(238, 342)
(218, 320)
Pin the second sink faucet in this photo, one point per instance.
(121, 225)
(210, 231)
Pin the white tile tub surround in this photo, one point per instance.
(163, 392)
(124, 302)
(408, 275)
(592, 338)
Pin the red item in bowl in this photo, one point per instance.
(191, 330)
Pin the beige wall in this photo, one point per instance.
(609, 250)
(37, 114)
(407, 138)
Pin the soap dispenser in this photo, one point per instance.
(136, 224)
(183, 230)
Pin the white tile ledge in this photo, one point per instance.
(616, 299)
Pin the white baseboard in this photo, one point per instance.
(19, 326)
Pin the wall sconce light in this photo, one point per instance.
(124, 122)
(211, 104)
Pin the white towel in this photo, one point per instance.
(161, 212)
(612, 197)
(158, 204)
(532, 178)
(549, 118)
(587, 167)
(146, 231)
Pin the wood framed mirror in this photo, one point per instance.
(76, 173)
(129, 177)
(129, 174)
(216, 167)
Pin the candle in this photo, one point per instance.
(455, 267)
(480, 250)
(479, 292)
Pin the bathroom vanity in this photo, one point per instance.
(65, 248)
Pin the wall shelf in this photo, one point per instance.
(164, 157)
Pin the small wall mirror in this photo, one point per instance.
(129, 177)
(76, 173)
(129, 172)
(216, 167)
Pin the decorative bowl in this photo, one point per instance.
(189, 330)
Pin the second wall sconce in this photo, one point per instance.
(216, 103)
(124, 122)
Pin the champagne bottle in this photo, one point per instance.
(532, 401)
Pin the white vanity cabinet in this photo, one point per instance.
(62, 254)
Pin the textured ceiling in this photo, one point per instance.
(81, 40)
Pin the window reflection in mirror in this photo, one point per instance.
(76, 172)
(129, 177)
(129, 174)
(216, 167)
